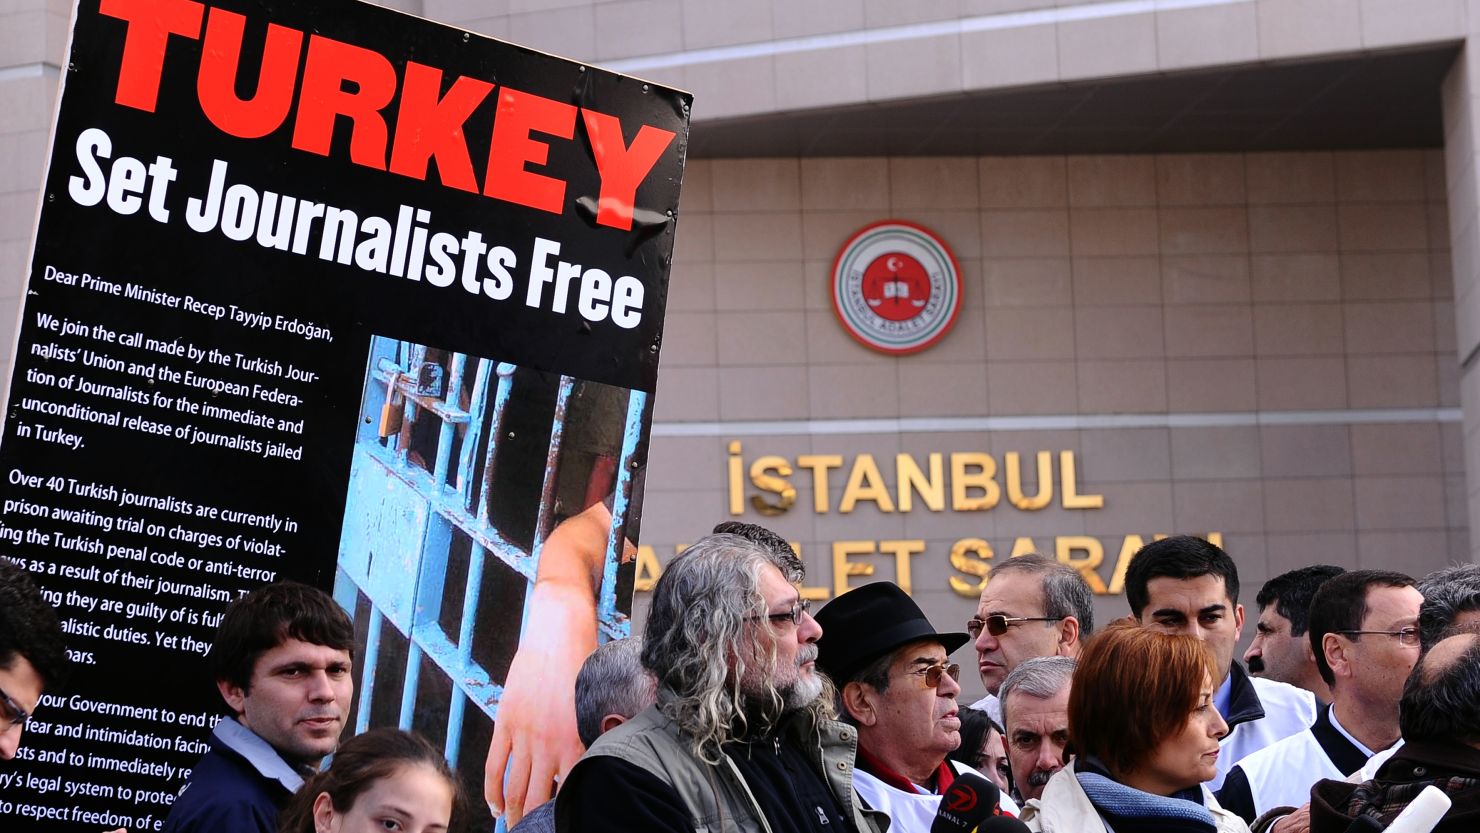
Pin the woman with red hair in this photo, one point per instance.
(1142, 721)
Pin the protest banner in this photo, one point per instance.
(325, 292)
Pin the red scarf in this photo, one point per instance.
(867, 762)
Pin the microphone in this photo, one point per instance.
(1002, 824)
(969, 801)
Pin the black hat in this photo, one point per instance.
(864, 624)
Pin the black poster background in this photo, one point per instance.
(45, 479)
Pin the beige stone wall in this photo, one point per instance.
(33, 36)
(1461, 118)
(1257, 345)
(749, 57)
(1113, 299)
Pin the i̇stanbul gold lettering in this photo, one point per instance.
(963, 481)
(973, 482)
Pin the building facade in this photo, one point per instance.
(1217, 259)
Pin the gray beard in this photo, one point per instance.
(802, 693)
(762, 710)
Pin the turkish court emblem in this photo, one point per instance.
(896, 287)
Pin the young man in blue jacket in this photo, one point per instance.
(282, 661)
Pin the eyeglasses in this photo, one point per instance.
(1407, 637)
(11, 713)
(793, 616)
(998, 624)
(932, 673)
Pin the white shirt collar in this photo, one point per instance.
(258, 753)
(1336, 724)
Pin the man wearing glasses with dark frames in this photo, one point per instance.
(1364, 632)
(32, 657)
(897, 684)
(1032, 606)
(741, 737)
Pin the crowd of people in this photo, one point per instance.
(739, 710)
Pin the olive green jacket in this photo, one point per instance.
(718, 799)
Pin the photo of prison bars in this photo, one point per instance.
(428, 545)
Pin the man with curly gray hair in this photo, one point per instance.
(742, 737)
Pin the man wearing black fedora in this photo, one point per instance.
(897, 684)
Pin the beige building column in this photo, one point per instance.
(33, 39)
(1461, 97)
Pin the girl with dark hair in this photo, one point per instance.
(382, 780)
(982, 747)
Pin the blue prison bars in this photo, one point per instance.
(400, 521)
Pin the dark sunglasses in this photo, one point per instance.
(998, 624)
(932, 673)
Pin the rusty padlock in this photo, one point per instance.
(391, 412)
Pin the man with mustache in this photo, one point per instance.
(897, 684)
(281, 660)
(1280, 650)
(1035, 711)
(741, 738)
(1032, 606)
